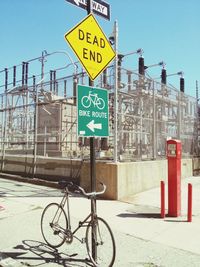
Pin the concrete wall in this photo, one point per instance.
(136, 177)
(105, 172)
(196, 166)
(47, 168)
(126, 179)
(187, 168)
(122, 179)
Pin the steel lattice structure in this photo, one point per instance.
(38, 114)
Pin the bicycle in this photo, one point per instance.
(56, 227)
(89, 99)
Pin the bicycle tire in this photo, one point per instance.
(54, 224)
(105, 243)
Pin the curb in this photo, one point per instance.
(29, 180)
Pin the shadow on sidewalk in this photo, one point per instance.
(140, 215)
(152, 216)
(35, 253)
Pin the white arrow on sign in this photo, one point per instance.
(92, 126)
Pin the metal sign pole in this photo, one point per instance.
(92, 166)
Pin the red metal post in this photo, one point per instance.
(189, 215)
(162, 210)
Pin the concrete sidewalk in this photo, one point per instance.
(142, 237)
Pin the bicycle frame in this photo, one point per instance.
(84, 222)
(93, 98)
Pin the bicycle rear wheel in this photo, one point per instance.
(104, 241)
(54, 224)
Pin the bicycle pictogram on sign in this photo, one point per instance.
(92, 99)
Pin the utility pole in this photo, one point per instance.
(116, 93)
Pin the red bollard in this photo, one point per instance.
(162, 210)
(189, 215)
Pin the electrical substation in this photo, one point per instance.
(38, 119)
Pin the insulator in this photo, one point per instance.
(141, 65)
(164, 76)
(182, 85)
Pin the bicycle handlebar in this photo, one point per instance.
(93, 193)
(77, 189)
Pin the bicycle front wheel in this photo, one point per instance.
(104, 254)
(54, 224)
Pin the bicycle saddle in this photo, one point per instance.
(62, 184)
(70, 185)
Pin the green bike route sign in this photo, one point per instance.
(92, 111)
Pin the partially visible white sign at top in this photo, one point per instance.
(99, 7)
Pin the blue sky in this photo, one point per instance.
(167, 31)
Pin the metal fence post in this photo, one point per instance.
(154, 144)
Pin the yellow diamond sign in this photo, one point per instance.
(91, 46)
